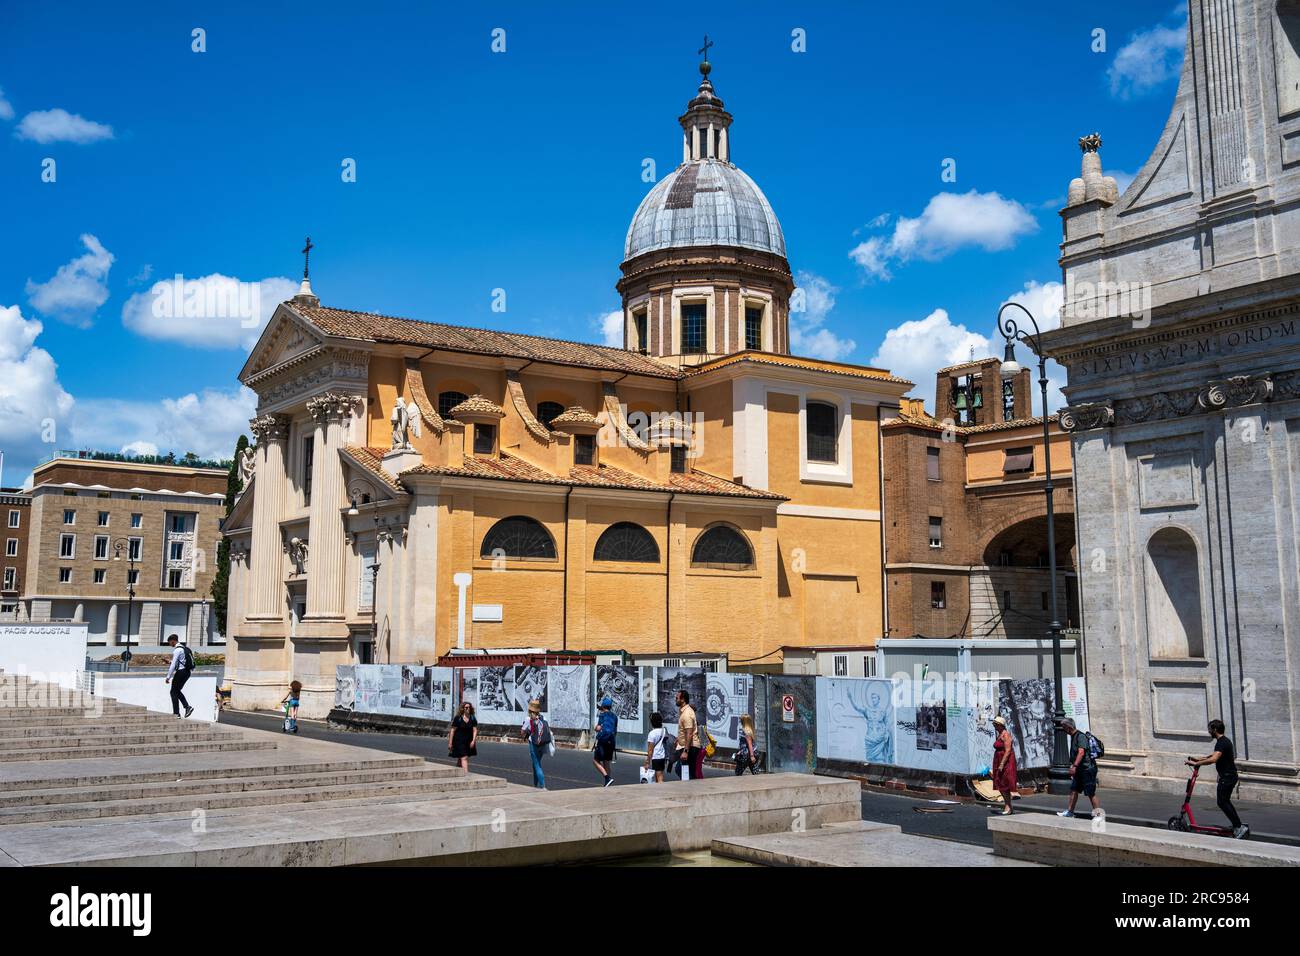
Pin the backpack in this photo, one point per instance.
(541, 735)
(188, 662)
(608, 725)
(1095, 747)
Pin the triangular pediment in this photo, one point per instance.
(286, 336)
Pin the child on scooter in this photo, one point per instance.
(290, 704)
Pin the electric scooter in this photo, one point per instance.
(1185, 822)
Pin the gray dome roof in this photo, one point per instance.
(704, 203)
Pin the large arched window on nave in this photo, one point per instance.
(518, 538)
(449, 400)
(722, 546)
(1173, 593)
(625, 541)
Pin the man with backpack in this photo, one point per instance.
(606, 730)
(1084, 750)
(181, 668)
(538, 734)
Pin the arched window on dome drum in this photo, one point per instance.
(626, 541)
(519, 538)
(449, 400)
(820, 424)
(722, 546)
(547, 412)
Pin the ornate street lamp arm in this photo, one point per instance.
(1011, 330)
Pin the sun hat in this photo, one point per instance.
(997, 719)
(534, 707)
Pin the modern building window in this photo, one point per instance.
(11, 548)
(821, 420)
(67, 545)
(677, 459)
(103, 519)
(176, 551)
(547, 412)
(724, 547)
(841, 665)
(174, 577)
(753, 327)
(69, 516)
(519, 538)
(932, 464)
(936, 532)
(695, 326)
(1017, 461)
(484, 439)
(869, 666)
(101, 547)
(137, 521)
(626, 541)
(137, 497)
(178, 524)
(11, 579)
(15, 517)
(100, 575)
(938, 596)
(65, 575)
(135, 548)
(308, 456)
(584, 449)
(642, 343)
(449, 400)
(133, 578)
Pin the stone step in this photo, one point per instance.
(177, 733)
(134, 750)
(108, 708)
(80, 718)
(188, 774)
(103, 728)
(254, 779)
(244, 799)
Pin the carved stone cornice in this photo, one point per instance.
(268, 428)
(1236, 391)
(1083, 417)
(347, 365)
(1157, 407)
(333, 406)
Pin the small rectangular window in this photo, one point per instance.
(754, 328)
(841, 665)
(69, 516)
(821, 423)
(136, 521)
(678, 459)
(484, 439)
(869, 666)
(11, 579)
(100, 575)
(178, 524)
(135, 549)
(694, 327)
(1017, 461)
(11, 548)
(932, 464)
(103, 519)
(65, 575)
(101, 547)
(133, 578)
(174, 578)
(584, 449)
(938, 595)
(15, 517)
(67, 545)
(936, 532)
(177, 551)
(642, 343)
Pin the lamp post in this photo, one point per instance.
(1059, 773)
(119, 546)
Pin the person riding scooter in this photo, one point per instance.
(1225, 762)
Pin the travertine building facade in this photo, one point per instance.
(701, 489)
(1179, 335)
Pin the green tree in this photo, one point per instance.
(221, 580)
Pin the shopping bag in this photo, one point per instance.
(647, 775)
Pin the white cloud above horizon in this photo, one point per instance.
(207, 422)
(77, 289)
(33, 404)
(949, 222)
(60, 126)
(1150, 57)
(917, 349)
(6, 108)
(212, 312)
(611, 328)
(808, 333)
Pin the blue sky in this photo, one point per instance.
(520, 170)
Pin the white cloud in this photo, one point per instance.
(611, 328)
(917, 349)
(1149, 59)
(6, 108)
(949, 222)
(808, 336)
(33, 404)
(1045, 301)
(207, 423)
(215, 311)
(78, 288)
(60, 126)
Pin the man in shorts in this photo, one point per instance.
(1083, 770)
(606, 729)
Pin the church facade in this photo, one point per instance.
(1179, 336)
(417, 487)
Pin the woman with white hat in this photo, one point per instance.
(1004, 763)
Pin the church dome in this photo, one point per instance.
(705, 202)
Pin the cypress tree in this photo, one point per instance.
(221, 580)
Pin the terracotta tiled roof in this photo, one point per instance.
(973, 364)
(368, 459)
(575, 415)
(510, 468)
(795, 361)
(927, 421)
(455, 338)
(1003, 426)
(477, 405)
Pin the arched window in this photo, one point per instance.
(722, 546)
(449, 400)
(547, 412)
(520, 538)
(1173, 592)
(821, 421)
(626, 541)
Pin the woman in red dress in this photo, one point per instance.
(1004, 764)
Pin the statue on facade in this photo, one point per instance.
(405, 420)
(247, 461)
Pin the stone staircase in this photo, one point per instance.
(63, 763)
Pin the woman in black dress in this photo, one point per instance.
(463, 737)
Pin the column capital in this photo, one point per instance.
(268, 428)
(333, 407)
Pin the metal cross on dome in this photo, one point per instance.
(306, 256)
(704, 50)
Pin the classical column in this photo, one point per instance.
(266, 584)
(333, 413)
